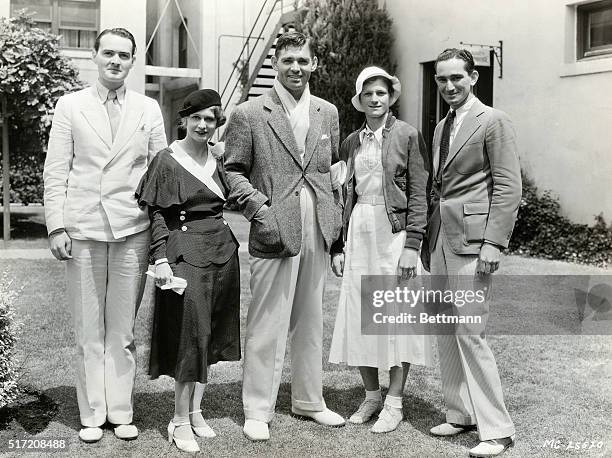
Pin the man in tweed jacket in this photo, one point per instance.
(279, 150)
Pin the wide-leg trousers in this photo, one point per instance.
(105, 282)
(470, 379)
(287, 299)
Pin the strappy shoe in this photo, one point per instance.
(185, 445)
(204, 430)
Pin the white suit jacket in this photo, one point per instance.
(89, 179)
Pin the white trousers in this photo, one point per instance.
(470, 379)
(105, 282)
(287, 299)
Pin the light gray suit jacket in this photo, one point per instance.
(480, 189)
(263, 166)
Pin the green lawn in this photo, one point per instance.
(556, 387)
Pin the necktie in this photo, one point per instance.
(114, 111)
(445, 141)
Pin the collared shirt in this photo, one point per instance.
(298, 112)
(377, 134)
(103, 94)
(461, 113)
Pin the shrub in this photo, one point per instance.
(348, 35)
(8, 331)
(33, 75)
(542, 231)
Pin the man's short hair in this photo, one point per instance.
(461, 54)
(119, 31)
(293, 39)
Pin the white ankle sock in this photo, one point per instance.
(394, 401)
(374, 395)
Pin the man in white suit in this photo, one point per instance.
(101, 141)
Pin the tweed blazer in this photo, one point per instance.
(479, 194)
(89, 178)
(263, 166)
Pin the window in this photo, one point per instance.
(182, 44)
(75, 20)
(594, 35)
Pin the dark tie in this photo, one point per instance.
(445, 141)
(114, 111)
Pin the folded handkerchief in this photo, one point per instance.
(177, 284)
(338, 174)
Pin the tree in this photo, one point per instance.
(33, 75)
(348, 35)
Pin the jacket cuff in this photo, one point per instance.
(253, 205)
(413, 240)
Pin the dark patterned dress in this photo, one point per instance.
(202, 326)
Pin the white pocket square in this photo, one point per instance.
(324, 136)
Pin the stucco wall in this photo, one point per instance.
(562, 122)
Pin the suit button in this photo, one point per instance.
(182, 217)
(182, 212)
(184, 228)
(297, 193)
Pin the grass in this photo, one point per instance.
(556, 387)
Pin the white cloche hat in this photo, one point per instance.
(368, 73)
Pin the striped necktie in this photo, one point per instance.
(445, 140)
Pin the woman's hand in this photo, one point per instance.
(163, 274)
(408, 263)
(337, 264)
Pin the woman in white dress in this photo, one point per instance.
(384, 222)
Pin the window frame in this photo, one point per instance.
(584, 50)
(54, 23)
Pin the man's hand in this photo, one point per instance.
(163, 274)
(408, 263)
(488, 259)
(337, 264)
(61, 246)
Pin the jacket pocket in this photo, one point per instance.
(265, 233)
(324, 156)
(475, 215)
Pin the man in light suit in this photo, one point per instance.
(279, 151)
(101, 141)
(474, 192)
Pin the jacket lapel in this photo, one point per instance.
(314, 131)
(96, 116)
(130, 122)
(279, 122)
(469, 126)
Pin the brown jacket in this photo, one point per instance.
(263, 166)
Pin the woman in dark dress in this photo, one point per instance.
(185, 190)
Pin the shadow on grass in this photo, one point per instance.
(152, 411)
(26, 225)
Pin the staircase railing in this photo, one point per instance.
(268, 27)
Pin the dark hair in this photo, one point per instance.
(119, 31)
(217, 111)
(293, 39)
(382, 78)
(461, 54)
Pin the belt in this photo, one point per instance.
(371, 200)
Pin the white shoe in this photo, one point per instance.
(90, 434)
(325, 417)
(451, 429)
(185, 445)
(492, 447)
(256, 430)
(202, 430)
(126, 432)
(388, 420)
(367, 409)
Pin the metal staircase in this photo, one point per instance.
(279, 19)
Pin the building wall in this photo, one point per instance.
(562, 121)
(113, 13)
